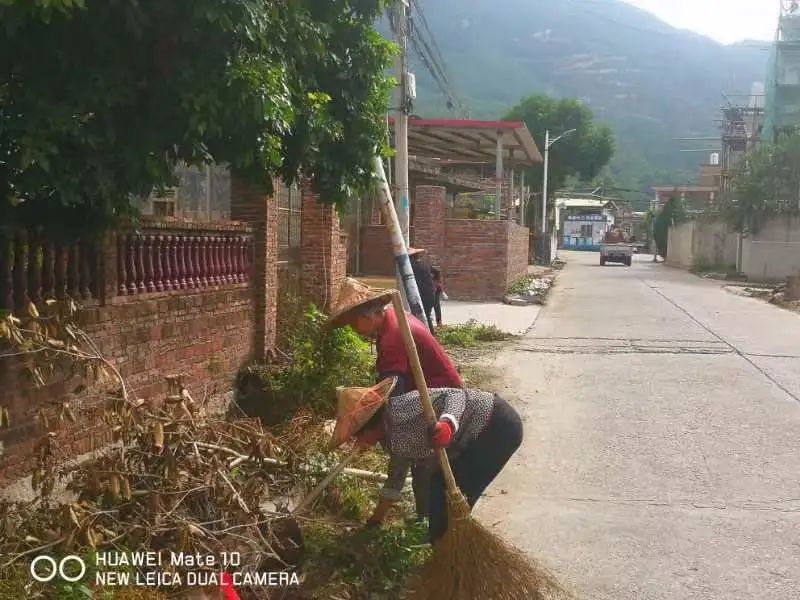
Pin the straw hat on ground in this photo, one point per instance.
(356, 406)
(353, 295)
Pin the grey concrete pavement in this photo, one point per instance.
(512, 319)
(662, 438)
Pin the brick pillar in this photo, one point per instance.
(323, 261)
(429, 221)
(252, 204)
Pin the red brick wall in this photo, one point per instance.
(339, 267)
(483, 258)
(376, 251)
(323, 251)
(206, 336)
(253, 205)
(475, 263)
(429, 221)
(518, 242)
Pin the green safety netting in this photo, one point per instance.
(782, 103)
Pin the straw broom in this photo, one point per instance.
(469, 561)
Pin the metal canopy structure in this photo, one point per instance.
(428, 171)
(507, 142)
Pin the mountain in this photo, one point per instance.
(649, 81)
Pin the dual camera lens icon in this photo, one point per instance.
(45, 568)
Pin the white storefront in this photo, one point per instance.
(585, 232)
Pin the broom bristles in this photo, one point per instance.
(471, 562)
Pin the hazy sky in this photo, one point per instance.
(724, 20)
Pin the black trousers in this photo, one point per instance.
(477, 466)
(437, 306)
(428, 309)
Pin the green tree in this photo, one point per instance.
(672, 213)
(100, 98)
(581, 155)
(768, 183)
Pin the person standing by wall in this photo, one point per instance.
(422, 273)
(438, 294)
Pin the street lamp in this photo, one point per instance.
(547, 143)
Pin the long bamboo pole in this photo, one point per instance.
(424, 397)
(399, 247)
(334, 472)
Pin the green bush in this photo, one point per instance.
(469, 334)
(318, 361)
(522, 285)
(672, 213)
(364, 564)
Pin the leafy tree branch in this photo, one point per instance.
(99, 99)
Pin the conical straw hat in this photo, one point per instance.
(353, 294)
(355, 407)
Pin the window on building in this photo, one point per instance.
(587, 230)
(289, 200)
(201, 194)
(163, 208)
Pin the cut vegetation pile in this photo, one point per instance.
(178, 479)
(531, 289)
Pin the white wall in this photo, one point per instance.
(772, 254)
(702, 244)
(714, 245)
(679, 245)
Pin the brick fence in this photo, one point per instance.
(323, 256)
(376, 251)
(475, 263)
(174, 297)
(480, 259)
(517, 252)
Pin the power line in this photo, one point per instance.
(427, 50)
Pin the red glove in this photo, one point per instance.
(226, 587)
(442, 434)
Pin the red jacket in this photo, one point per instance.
(226, 587)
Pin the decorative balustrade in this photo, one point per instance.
(173, 256)
(162, 257)
(33, 269)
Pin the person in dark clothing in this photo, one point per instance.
(422, 273)
(438, 291)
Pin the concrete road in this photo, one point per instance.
(662, 438)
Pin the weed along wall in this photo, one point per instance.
(517, 252)
(172, 299)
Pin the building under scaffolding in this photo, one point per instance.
(741, 125)
(783, 76)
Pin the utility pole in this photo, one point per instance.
(547, 143)
(401, 123)
(654, 213)
(544, 183)
(498, 175)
